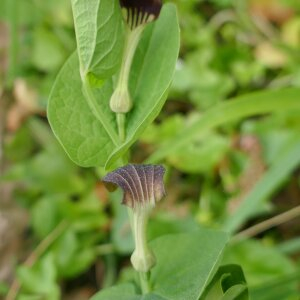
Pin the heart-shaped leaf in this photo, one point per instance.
(76, 126)
(186, 263)
(79, 112)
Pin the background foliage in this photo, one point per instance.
(228, 135)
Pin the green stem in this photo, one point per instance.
(97, 110)
(131, 42)
(121, 120)
(140, 220)
(121, 101)
(142, 258)
(110, 270)
(145, 282)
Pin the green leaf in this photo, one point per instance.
(124, 292)
(283, 288)
(83, 122)
(77, 128)
(99, 34)
(280, 170)
(44, 216)
(180, 274)
(290, 246)
(232, 110)
(200, 157)
(41, 279)
(48, 53)
(151, 75)
(185, 273)
(228, 283)
(265, 268)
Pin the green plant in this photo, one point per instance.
(104, 97)
(228, 138)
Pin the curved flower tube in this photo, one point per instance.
(136, 15)
(142, 187)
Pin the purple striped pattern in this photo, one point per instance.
(141, 11)
(141, 184)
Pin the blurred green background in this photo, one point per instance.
(62, 236)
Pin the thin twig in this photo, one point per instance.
(35, 255)
(2, 128)
(267, 224)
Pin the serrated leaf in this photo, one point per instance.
(99, 34)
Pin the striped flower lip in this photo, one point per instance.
(142, 184)
(139, 12)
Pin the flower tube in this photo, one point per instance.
(142, 187)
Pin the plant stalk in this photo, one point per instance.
(145, 282)
(121, 99)
(121, 121)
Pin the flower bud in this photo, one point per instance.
(143, 262)
(120, 101)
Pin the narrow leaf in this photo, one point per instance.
(232, 110)
(265, 186)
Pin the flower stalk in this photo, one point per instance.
(136, 15)
(142, 258)
(121, 101)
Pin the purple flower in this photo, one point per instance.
(141, 184)
(138, 12)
